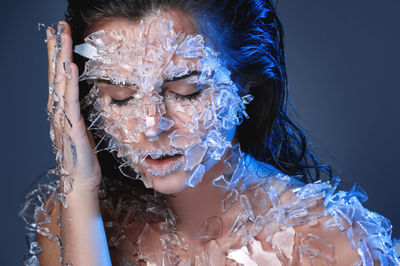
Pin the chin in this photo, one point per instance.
(172, 183)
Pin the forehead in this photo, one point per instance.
(156, 47)
(182, 22)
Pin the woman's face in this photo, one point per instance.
(163, 97)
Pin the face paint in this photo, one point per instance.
(163, 97)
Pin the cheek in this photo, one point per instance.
(118, 124)
(186, 115)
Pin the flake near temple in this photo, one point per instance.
(86, 50)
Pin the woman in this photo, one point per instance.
(166, 83)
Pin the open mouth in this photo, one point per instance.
(163, 162)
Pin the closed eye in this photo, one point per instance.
(193, 73)
(120, 94)
(121, 102)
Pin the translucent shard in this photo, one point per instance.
(208, 118)
(365, 253)
(165, 123)
(192, 47)
(217, 143)
(35, 248)
(200, 260)
(194, 154)
(86, 50)
(297, 213)
(170, 257)
(397, 245)
(211, 229)
(179, 241)
(230, 199)
(221, 182)
(240, 221)
(148, 183)
(358, 192)
(196, 176)
(32, 261)
(257, 226)
(68, 158)
(161, 109)
(264, 171)
(314, 246)
(247, 98)
(238, 172)
(334, 221)
(312, 190)
(181, 141)
(246, 205)
(67, 183)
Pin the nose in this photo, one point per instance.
(156, 124)
(152, 131)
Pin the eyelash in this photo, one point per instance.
(176, 96)
(189, 97)
(120, 102)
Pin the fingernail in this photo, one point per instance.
(51, 31)
(60, 26)
(67, 69)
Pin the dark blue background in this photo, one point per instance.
(343, 63)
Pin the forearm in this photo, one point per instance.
(83, 232)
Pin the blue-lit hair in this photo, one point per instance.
(249, 36)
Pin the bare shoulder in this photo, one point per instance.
(319, 245)
(334, 227)
(313, 224)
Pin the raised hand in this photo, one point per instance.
(82, 232)
(71, 139)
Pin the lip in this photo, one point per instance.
(163, 165)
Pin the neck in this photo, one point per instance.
(194, 206)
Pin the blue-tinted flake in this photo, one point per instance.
(196, 176)
(359, 192)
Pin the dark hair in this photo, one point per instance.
(249, 37)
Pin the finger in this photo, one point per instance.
(51, 47)
(72, 106)
(64, 55)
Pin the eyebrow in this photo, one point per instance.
(193, 73)
(107, 81)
